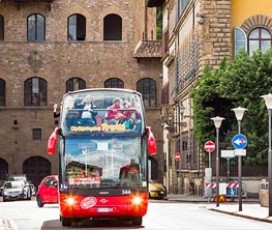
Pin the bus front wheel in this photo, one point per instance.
(66, 221)
(137, 221)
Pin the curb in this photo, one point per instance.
(242, 215)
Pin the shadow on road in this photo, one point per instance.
(110, 224)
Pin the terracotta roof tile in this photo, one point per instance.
(148, 49)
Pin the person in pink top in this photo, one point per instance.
(113, 115)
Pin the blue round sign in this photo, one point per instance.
(239, 141)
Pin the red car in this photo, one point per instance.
(47, 191)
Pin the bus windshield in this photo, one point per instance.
(101, 113)
(103, 163)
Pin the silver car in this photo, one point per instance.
(16, 190)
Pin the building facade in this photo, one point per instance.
(50, 47)
(198, 33)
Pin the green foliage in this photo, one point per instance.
(159, 23)
(239, 82)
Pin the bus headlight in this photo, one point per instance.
(70, 201)
(137, 200)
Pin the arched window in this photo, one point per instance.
(114, 83)
(112, 27)
(35, 92)
(76, 27)
(1, 28)
(2, 92)
(75, 83)
(36, 27)
(147, 87)
(259, 38)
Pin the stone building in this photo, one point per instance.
(50, 47)
(198, 33)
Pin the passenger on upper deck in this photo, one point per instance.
(88, 115)
(113, 115)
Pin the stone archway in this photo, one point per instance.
(3, 169)
(36, 168)
(257, 21)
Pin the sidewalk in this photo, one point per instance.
(251, 208)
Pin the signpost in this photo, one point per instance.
(209, 147)
(239, 142)
(228, 154)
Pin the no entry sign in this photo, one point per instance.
(209, 146)
(177, 156)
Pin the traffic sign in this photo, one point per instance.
(239, 141)
(177, 156)
(227, 153)
(209, 146)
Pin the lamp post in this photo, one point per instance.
(268, 102)
(217, 123)
(239, 113)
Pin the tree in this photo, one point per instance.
(238, 82)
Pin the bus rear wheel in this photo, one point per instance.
(66, 221)
(137, 221)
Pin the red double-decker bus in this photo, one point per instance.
(103, 145)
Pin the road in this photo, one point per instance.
(25, 215)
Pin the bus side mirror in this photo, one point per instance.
(151, 142)
(52, 142)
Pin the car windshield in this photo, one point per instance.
(13, 184)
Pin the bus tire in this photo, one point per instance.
(66, 222)
(137, 221)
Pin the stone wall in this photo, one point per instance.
(56, 60)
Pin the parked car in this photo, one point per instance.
(156, 190)
(16, 190)
(47, 192)
(23, 177)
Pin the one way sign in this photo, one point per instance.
(239, 141)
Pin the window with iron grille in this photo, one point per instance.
(1, 28)
(75, 83)
(37, 134)
(36, 27)
(2, 92)
(114, 83)
(35, 92)
(147, 87)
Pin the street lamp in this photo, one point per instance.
(268, 103)
(217, 123)
(239, 113)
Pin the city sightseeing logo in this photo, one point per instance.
(88, 202)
